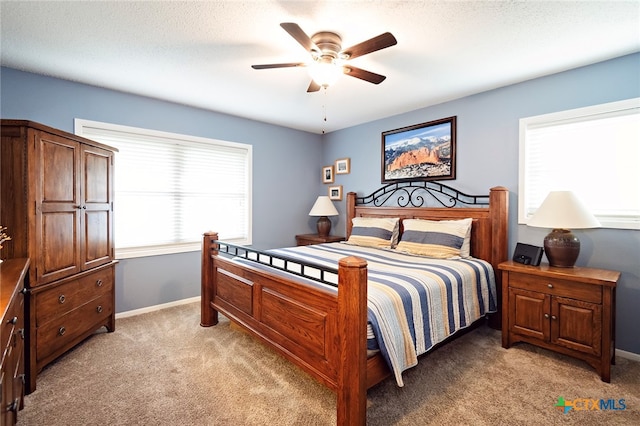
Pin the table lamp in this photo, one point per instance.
(323, 207)
(562, 210)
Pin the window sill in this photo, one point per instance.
(133, 252)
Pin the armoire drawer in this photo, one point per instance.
(64, 298)
(54, 335)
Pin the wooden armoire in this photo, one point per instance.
(57, 205)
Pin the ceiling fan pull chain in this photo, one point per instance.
(324, 108)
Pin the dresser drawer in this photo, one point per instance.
(56, 334)
(13, 323)
(556, 287)
(64, 298)
(8, 328)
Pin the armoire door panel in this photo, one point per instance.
(59, 251)
(96, 175)
(97, 238)
(97, 206)
(58, 164)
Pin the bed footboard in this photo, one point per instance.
(324, 331)
(320, 330)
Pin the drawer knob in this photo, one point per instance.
(553, 317)
(546, 316)
(550, 285)
(13, 320)
(61, 331)
(99, 309)
(21, 333)
(99, 283)
(24, 290)
(61, 298)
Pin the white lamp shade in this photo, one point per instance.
(563, 210)
(323, 207)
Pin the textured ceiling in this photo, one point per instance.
(200, 53)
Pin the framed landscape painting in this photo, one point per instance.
(425, 151)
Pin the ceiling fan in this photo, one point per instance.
(328, 57)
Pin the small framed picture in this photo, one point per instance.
(335, 192)
(343, 166)
(327, 174)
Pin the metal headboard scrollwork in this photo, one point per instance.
(413, 193)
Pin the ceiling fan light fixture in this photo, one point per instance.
(328, 56)
(325, 71)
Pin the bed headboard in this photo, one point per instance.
(414, 200)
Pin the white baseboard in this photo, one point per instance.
(628, 355)
(135, 312)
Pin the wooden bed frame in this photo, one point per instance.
(323, 331)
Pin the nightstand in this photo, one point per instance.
(308, 239)
(566, 310)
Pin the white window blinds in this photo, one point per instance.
(593, 152)
(170, 189)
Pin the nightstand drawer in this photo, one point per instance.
(309, 239)
(556, 287)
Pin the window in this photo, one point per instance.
(171, 188)
(593, 151)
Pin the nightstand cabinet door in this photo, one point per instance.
(576, 325)
(528, 313)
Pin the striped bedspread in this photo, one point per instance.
(413, 302)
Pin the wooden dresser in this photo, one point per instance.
(13, 277)
(57, 205)
(567, 310)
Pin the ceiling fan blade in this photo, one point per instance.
(377, 43)
(365, 75)
(301, 37)
(313, 87)
(267, 66)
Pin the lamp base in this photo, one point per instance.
(562, 248)
(324, 226)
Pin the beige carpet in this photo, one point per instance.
(162, 368)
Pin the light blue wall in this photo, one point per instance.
(285, 166)
(284, 190)
(487, 155)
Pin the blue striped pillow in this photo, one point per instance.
(374, 232)
(433, 238)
